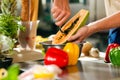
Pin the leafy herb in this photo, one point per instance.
(9, 25)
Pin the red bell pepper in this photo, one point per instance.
(110, 46)
(56, 56)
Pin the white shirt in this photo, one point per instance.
(112, 6)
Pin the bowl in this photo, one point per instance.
(48, 44)
(6, 62)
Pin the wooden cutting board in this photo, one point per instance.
(23, 56)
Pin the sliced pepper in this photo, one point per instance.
(110, 46)
(56, 56)
(73, 52)
(115, 56)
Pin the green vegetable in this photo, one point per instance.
(13, 72)
(6, 43)
(110, 46)
(9, 25)
(115, 56)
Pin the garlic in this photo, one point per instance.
(94, 52)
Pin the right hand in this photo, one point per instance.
(60, 11)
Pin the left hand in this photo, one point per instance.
(60, 11)
(80, 35)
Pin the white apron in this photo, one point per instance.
(112, 6)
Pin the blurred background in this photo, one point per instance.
(96, 9)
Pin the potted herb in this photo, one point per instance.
(9, 26)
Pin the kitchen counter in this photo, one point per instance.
(95, 70)
(87, 68)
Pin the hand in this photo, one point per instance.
(60, 11)
(81, 34)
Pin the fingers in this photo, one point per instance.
(61, 19)
(60, 12)
(76, 39)
(55, 12)
(60, 16)
(53, 9)
(79, 40)
(79, 36)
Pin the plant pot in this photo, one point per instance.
(6, 62)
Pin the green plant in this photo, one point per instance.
(9, 7)
(9, 26)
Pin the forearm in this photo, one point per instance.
(61, 2)
(107, 23)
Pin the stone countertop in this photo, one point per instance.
(87, 68)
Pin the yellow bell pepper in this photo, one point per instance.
(73, 52)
